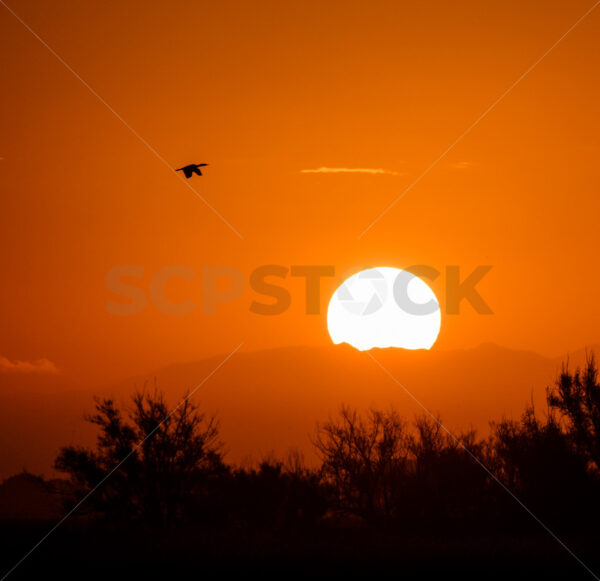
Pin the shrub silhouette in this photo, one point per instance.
(164, 462)
(376, 470)
(386, 473)
(365, 460)
(576, 396)
(536, 461)
(277, 495)
(447, 483)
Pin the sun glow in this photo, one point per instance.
(384, 307)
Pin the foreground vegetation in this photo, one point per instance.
(380, 479)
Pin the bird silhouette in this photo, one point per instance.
(192, 168)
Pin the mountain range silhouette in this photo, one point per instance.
(269, 401)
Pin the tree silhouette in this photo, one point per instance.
(576, 396)
(447, 484)
(365, 460)
(536, 461)
(164, 461)
(413, 481)
(277, 495)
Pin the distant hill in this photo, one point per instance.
(269, 401)
(26, 496)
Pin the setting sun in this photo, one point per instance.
(384, 307)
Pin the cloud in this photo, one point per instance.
(462, 164)
(37, 366)
(366, 170)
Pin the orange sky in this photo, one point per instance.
(261, 91)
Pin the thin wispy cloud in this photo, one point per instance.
(462, 165)
(37, 366)
(363, 170)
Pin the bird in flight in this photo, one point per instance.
(193, 168)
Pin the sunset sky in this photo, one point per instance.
(263, 91)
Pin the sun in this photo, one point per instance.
(384, 307)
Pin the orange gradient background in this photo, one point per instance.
(261, 91)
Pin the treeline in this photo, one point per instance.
(377, 470)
